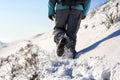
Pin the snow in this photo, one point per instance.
(12, 48)
(2, 45)
(35, 58)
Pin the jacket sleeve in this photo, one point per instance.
(87, 6)
(51, 7)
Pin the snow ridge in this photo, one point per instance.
(3, 45)
(32, 63)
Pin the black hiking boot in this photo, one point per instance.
(74, 53)
(61, 45)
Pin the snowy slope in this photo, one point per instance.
(2, 45)
(98, 54)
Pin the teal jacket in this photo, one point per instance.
(52, 5)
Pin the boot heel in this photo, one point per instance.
(60, 48)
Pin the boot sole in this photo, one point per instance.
(60, 48)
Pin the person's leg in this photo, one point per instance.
(58, 35)
(60, 24)
(60, 30)
(72, 28)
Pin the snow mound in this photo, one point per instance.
(3, 45)
(31, 62)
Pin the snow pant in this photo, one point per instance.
(67, 22)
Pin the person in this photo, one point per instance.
(67, 22)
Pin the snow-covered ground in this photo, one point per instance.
(98, 54)
(2, 45)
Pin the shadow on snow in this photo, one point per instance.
(93, 46)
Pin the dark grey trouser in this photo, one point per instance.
(68, 21)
